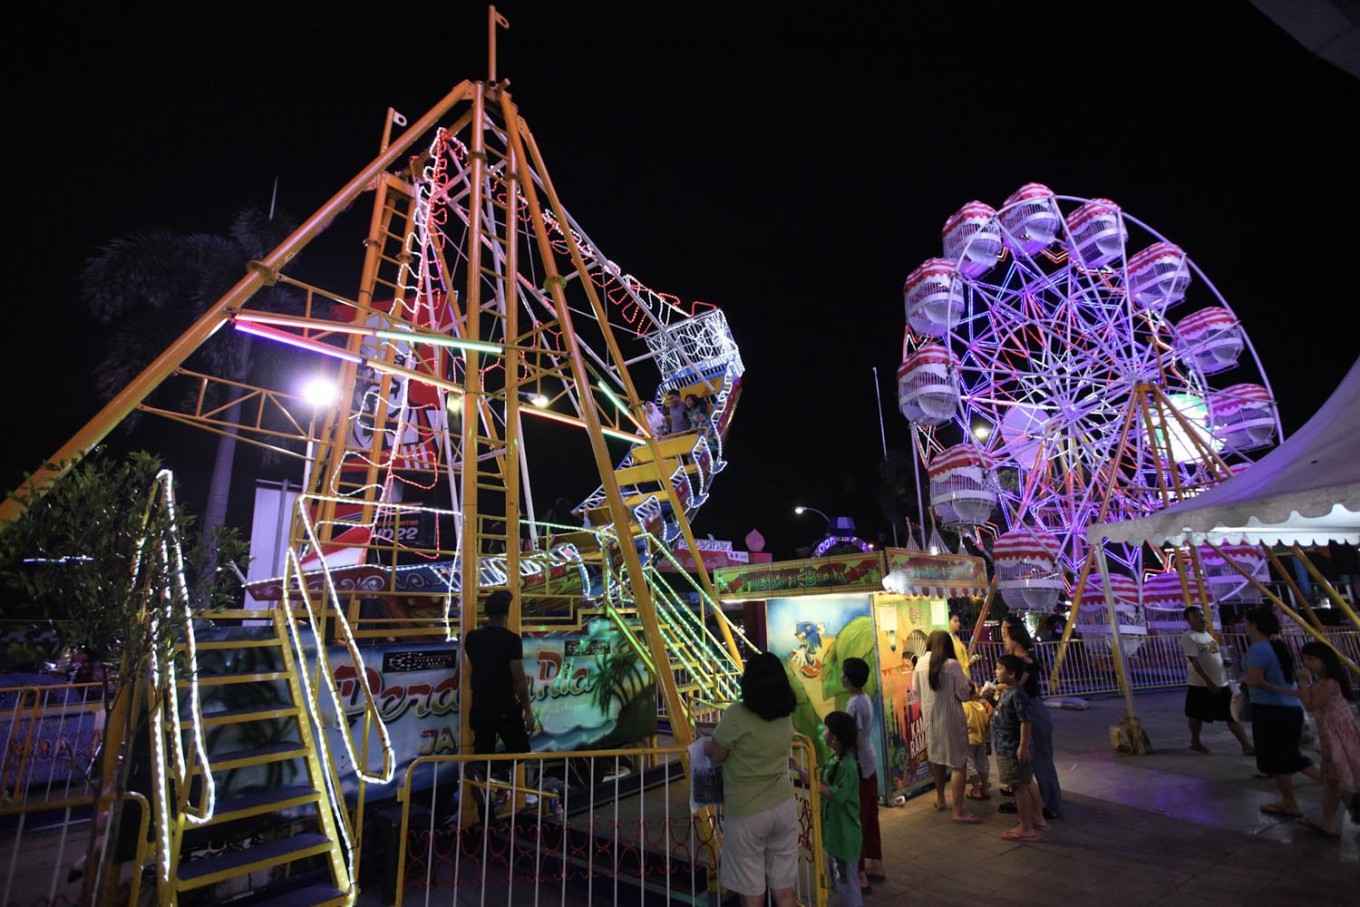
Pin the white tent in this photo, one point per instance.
(1305, 492)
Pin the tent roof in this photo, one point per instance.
(1306, 491)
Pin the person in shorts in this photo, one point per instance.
(752, 742)
(1208, 695)
(1011, 740)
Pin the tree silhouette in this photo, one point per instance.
(149, 287)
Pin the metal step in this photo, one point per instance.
(308, 896)
(234, 863)
(242, 643)
(261, 802)
(243, 677)
(274, 752)
(240, 716)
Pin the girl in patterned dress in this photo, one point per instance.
(1325, 691)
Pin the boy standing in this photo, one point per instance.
(1011, 735)
(854, 676)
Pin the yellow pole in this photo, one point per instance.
(682, 731)
(1293, 587)
(1326, 587)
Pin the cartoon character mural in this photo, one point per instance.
(804, 656)
(825, 630)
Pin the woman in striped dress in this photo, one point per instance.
(943, 689)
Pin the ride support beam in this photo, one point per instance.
(259, 275)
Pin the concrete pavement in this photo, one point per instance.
(1174, 827)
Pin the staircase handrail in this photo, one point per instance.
(326, 671)
(175, 608)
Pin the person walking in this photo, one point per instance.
(1324, 688)
(1208, 695)
(1276, 712)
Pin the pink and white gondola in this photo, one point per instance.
(1098, 233)
(934, 297)
(928, 385)
(1243, 416)
(971, 239)
(961, 486)
(1159, 275)
(1031, 218)
(1164, 603)
(1093, 614)
(1210, 340)
(1226, 584)
(1027, 574)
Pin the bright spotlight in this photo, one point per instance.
(320, 393)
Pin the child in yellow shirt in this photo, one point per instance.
(978, 713)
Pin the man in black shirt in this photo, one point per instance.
(500, 689)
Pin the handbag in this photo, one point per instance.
(705, 778)
(1241, 703)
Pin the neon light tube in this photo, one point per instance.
(300, 342)
(572, 420)
(438, 340)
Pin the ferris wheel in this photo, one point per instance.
(1065, 364)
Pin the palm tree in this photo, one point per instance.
(149, 287)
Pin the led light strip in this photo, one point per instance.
(389, 761)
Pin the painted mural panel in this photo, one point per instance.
(814, 635)
(903, 625)
(589, 688)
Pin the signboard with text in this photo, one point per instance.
(811, 576)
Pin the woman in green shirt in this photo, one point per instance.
(753, 741)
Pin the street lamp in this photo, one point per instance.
(800, 510)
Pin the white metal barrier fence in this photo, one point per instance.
(50, 736)
(609, 826)
(1154, 662)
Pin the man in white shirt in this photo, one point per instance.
(1208, 696)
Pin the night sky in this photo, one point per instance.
(789, 163)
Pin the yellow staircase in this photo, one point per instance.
(301, 861)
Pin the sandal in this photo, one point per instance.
(1275, 809)
(1042, 826)
(972, 796)
(1007, 807)
(966, 819)
(1317, 827)
(1015, 834)
(1006, 791)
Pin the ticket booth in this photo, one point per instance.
(875, 605)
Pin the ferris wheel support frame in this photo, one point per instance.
(1138, 410)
